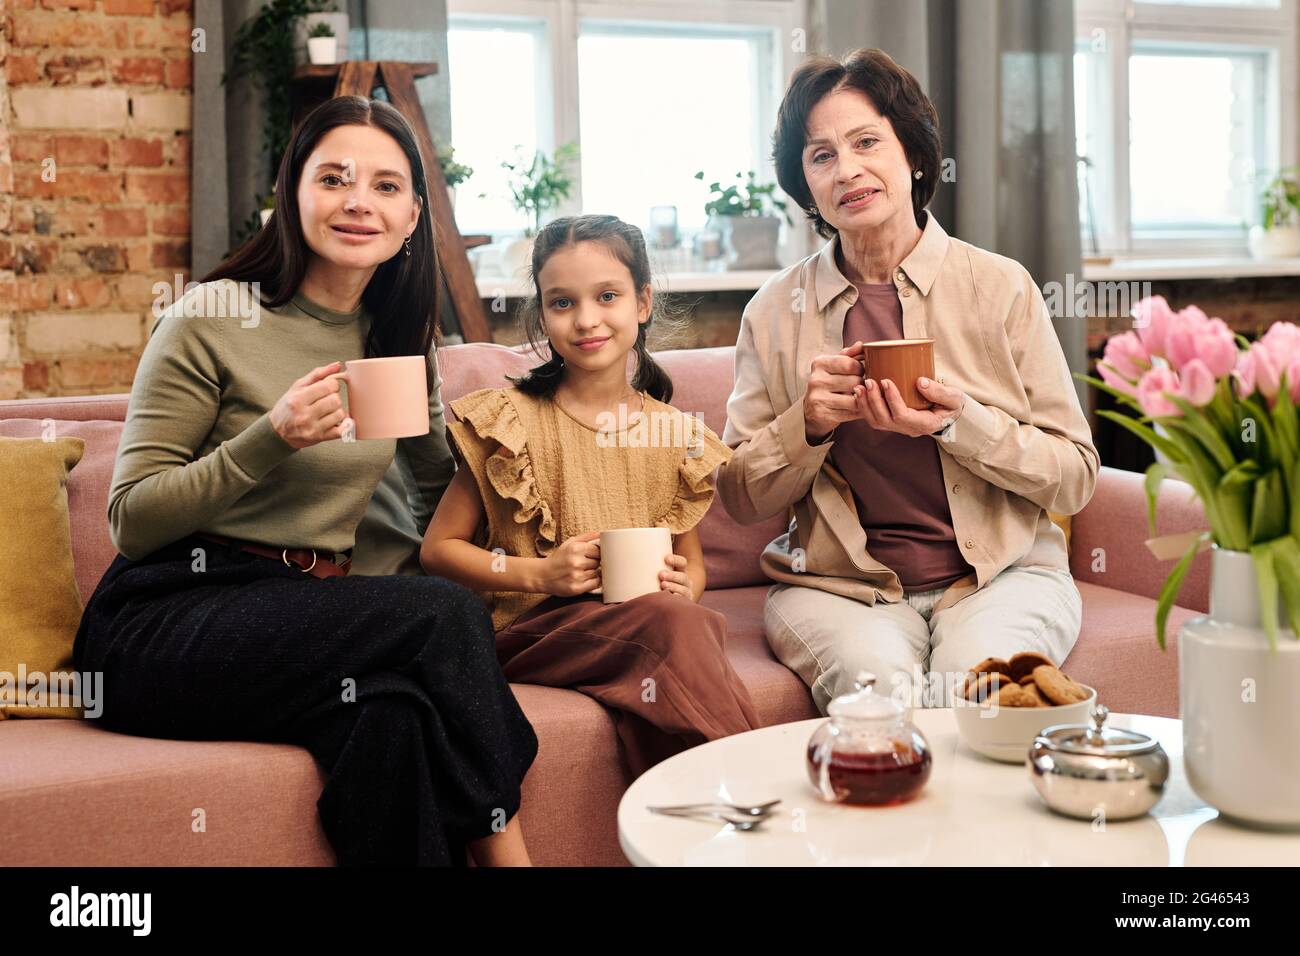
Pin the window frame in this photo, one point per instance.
(559, 121)
(1129, 23)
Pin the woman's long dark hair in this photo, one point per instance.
(626, 243)
(402, 295)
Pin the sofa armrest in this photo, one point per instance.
(1107, 543)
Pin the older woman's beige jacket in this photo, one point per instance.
(1020, 447)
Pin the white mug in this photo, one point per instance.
(630, 562)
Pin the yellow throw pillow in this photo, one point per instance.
(41, 606)
(1062, 522)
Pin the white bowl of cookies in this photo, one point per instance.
(1004, 704)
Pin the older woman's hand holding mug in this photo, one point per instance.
(838, 393)
(881, 406)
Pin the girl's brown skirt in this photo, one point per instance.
(657, 661)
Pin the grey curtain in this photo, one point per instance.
(1000, 74)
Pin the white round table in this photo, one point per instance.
(972, 812)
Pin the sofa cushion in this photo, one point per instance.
(92, 548)
(1117, 652)
(38, 589)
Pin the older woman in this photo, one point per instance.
(920, 542)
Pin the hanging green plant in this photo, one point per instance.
(263, 52)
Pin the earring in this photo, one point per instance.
(918, 174)
(407, 243)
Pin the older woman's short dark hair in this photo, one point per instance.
(896, 95)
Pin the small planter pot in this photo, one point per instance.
(749, 242)
(1278, 243)
(517, 256)
(302, 28)
(322, 50)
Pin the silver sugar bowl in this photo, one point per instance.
(1085, 770)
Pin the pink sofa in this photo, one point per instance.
(74, 794)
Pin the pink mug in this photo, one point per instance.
(387, 397)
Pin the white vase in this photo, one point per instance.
(321, 50)
(265, 214)
(517, 256)
(1280, 242)
(1240, 703)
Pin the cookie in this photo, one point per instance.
(990, 665)
(1031, 690)
(1027, 680)
(1023, 664)
(1013, 695)
(985, 686)
(1056, 687)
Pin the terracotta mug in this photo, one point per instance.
(387, 397)
(902, 361)
(630, 562)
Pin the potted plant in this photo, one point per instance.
(307, 26)
(267, 207)
(1278, 237)
(1227, 411)
(535, 189)
(263, 52)
(742, 215)
(322, 46)
(453, 172)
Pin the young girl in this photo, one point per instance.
(566, 453)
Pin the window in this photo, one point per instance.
(1183, 111)
(496, 105)
(650, 90)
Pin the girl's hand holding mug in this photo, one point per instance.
(311, 411)
(573, 567)
(675, 580)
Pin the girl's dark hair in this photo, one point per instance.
(896, 95)
(627, 244)
(401, 296)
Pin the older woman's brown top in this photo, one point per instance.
(1021, 446)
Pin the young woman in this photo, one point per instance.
(566, 453)
(229, 613)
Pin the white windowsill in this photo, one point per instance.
(491, 286)
(1207, 267)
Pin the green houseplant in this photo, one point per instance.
(742, 212)
(536, 187)
(1278, 235)
(263, 52)
(322, 45)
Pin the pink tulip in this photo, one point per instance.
(1293, 379)
(1256, 370)
(1125, 354)
(1152, 389)
(1151, 318)
(1116, 381)
(1198, 383)
(1191, 335)
(1283, 343)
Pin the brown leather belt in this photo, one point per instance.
(304, 559)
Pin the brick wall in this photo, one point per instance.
(94, 186)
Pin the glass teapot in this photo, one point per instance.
(867, 753)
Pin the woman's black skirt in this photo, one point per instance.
(391, 683)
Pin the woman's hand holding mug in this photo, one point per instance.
(831, 394)
(881, 406)
(311, 411)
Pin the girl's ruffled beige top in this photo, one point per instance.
(544, 476)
